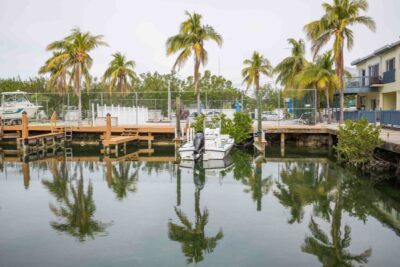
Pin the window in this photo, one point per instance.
(373, 70)
(390, 64)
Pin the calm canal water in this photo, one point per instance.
(297, 210)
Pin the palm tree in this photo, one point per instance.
(321, 76)
(289, 67)
(120, 73)
(72, 53)
(58, 73)
(190, 41)
(336, 23)
(256, 66)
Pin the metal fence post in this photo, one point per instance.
(169, 101)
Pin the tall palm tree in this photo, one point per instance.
(190, 41)
(290, 66)
(73, 53)
(58, 73)
(256, 66)
(321, 76)
(120, 73)
(335, 23)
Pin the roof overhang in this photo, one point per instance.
(377, 52)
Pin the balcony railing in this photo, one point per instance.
(389, 76)
(362, 82)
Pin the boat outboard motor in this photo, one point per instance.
(198, 143)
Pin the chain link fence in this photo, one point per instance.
(282, 107)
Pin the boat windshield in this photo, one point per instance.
(14, 98)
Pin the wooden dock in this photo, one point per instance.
(146, 132)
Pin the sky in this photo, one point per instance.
(139, 29)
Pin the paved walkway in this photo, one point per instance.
(390, 137)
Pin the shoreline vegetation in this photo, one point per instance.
(68, 69)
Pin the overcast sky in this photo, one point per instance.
(140, 28)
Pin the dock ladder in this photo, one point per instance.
(68, 131)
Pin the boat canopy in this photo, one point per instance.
(18, 92)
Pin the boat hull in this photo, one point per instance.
(217, 153)
(10, 113)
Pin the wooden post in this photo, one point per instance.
(25, 130)
(24, 133)
(53, 122)
(178, 118)
(107, 136)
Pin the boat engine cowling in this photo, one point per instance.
(198, 143)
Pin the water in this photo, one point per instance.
(300, 210)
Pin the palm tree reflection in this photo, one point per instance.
(192, 236)
(303, 184)
(76, 206)
(333, 251)
(121, 179)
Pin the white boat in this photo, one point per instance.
(14, 103)
(216, 146)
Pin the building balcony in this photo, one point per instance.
(389, 76)
(366, 84)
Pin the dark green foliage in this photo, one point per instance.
(241, 127)
(357, 142)
(198, 123)
(151, 90)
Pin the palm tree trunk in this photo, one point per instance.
(318, 106)
(259, 111)
(339, 72)
(78, 77)
(196, 84)
(327, 105)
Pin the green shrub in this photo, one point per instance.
(198, 123)
(357, 142)
(241, 127)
